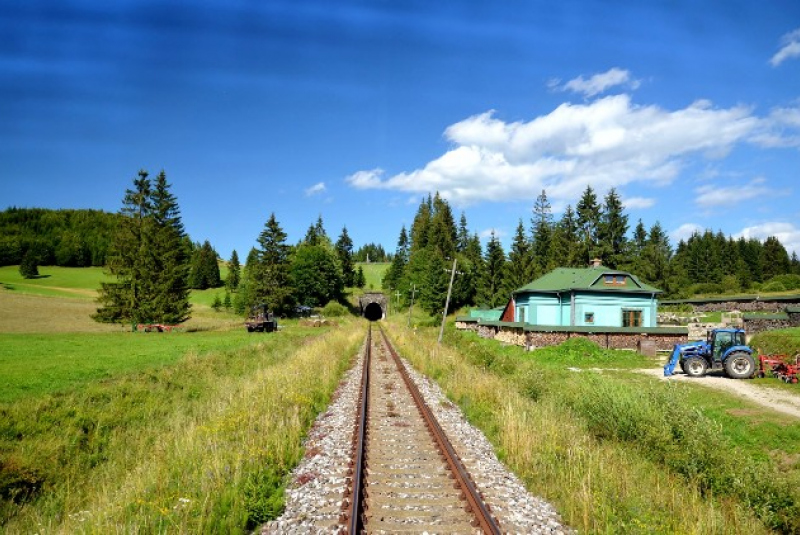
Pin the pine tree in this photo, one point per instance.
(462, 235)
(149, 259)
(396, 270)
(542, 233)
(419, 228)
(491, 291)
(344, 249)
(588, 219)
(234, 272)
(774, 259)
(28, 268)
(519, 271)
(170, 256)
(565, 248)
(270, 277)
(612, 231)
(361, 281)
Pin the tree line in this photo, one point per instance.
(594, 229)
(73, 238)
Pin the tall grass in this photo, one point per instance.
(583, 441)
(204, 445)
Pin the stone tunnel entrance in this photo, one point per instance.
(373, 306)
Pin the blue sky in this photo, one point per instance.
(354, 110)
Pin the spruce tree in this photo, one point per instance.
(234, 272)
(148, 257)
(519, 271)
(271, 276)
(344, 250)
(542, 233)
(361, 281)
(28, 267)
(462, 235)
(612, 231)
(491, 291)
(588, 219)
(394, 275)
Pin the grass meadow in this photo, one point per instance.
(180, 432)
(615, 451)
(373, 274)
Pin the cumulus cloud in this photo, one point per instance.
(716, 195)
(638, 203)
(598, 83)
(787, 233)
(609, 142)
(317, 188)
(684, 232)
(790, 48)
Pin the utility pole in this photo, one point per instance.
(413, 293)
(447, 302)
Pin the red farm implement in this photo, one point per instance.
(780, 366)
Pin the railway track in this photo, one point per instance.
(405, 475)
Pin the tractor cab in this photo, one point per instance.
(721, 340)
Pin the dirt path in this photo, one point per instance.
(772, 398)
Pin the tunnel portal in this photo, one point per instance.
(373, 306)
(373, 312)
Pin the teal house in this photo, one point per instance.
(585, 297)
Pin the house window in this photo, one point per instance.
(614, 280)
(521, 314)
(588, 318)
(631, 318)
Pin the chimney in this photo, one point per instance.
(596, 262)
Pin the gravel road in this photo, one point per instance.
(772, 398)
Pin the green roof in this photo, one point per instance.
(588, 279)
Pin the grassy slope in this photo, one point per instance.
(373, 274)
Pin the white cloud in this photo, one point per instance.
(787, 234)
(598, 83)
(637, 203)
(790, 48)
(607, 143)
(684, 232)
(366, 179)
(319, 187)
(486, 234)
(716, 195)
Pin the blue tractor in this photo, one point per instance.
(723, 349)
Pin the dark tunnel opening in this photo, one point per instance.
(373, 312)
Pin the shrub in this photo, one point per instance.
(334, 310)
(773, 286)
(789, 282)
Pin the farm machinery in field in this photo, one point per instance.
(261, 319)
(723, 349)
(779, 366)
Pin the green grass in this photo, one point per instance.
(55, 281)
(373, 274)
(613, 456)
(43, 363)
(194, 443)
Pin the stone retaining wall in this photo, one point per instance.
(750, 306)
(534, 339)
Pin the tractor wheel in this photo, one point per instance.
(740, 365)
(695, 366)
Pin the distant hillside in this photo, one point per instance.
(70, 238)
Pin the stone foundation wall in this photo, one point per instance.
(751, 306)
(534, 339)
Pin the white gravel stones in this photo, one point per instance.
(314, 499)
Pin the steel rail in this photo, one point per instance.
(355, 521)
(475, 502)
